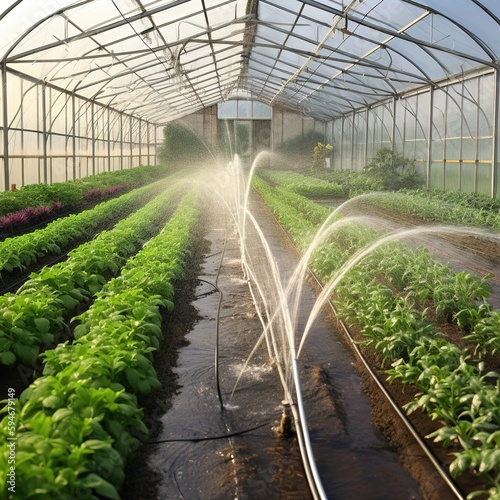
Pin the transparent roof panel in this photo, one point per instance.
(161, 59)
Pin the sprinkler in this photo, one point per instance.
(285, 429)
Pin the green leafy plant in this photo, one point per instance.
(393, 170)
(320, 153)
(32, 317)
(79, 422)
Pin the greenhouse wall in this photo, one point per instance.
(49, 135)
(450, 130)
(284, 124)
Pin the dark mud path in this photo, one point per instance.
(200, 451)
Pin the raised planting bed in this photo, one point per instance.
(78, 423)
(36, 314)
(427, 327)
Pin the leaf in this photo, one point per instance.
(69, 302)
(144, 386)
(42, 324)
(40, 424)
(81, 330)
(61, 414)
(92, 480)
(27, 354)
(52, 402)
(169, 305)
(133, 377)
(46, 338)
(490, 460)
(7, 358)
(95, 444)
(107, 490)
(115, 428)
(154, 329)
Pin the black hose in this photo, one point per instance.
(210, 438)
(217, 323)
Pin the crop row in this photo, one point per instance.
(430, 207)
(458, 297)
(391, 314)
(453, 388)
(302, 184)
(71, 192)
(77, 424)
(22, 251)
(30, 317)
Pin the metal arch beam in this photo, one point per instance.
(474, 37)
(363, 22)
(288, 33)
(87, 34)
(335, 49)
(378, 92)
(167, 46)
(368, 64)
(210, 41)
(357, 58)
(488, 11)
(378, 46)
(10, 8)
(149, 65)
(326, 62)
(39, 23)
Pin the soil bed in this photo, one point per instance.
(353, 459)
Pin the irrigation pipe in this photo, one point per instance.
(307, 454)
(217, 322)
(444, 475)
(217, 327)
(210, 438)
(313, 478)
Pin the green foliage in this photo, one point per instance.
(320, 153)
(18, 253)
(296, 152)
(438, 206)
(71, 192)
(300, 144)
(31, 317)
(387, 295)
(302, 184)
(78, 423)
(181, 147)
(392, 170)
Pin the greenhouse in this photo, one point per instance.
(250, 249)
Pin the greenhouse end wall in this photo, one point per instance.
(450, 130)
(49, 135)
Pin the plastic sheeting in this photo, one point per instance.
(160, 60)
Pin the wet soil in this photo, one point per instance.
(248, 460)
(472, 252)
(257, 463)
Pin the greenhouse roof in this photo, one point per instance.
(161, 60)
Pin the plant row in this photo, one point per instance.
(470, 200)
(433, 208)
(386, 296)
(302, 184)
(31, 317)
(28, 216)
(23, 251)
(78, 423)
(453, 388)
(71, 192)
